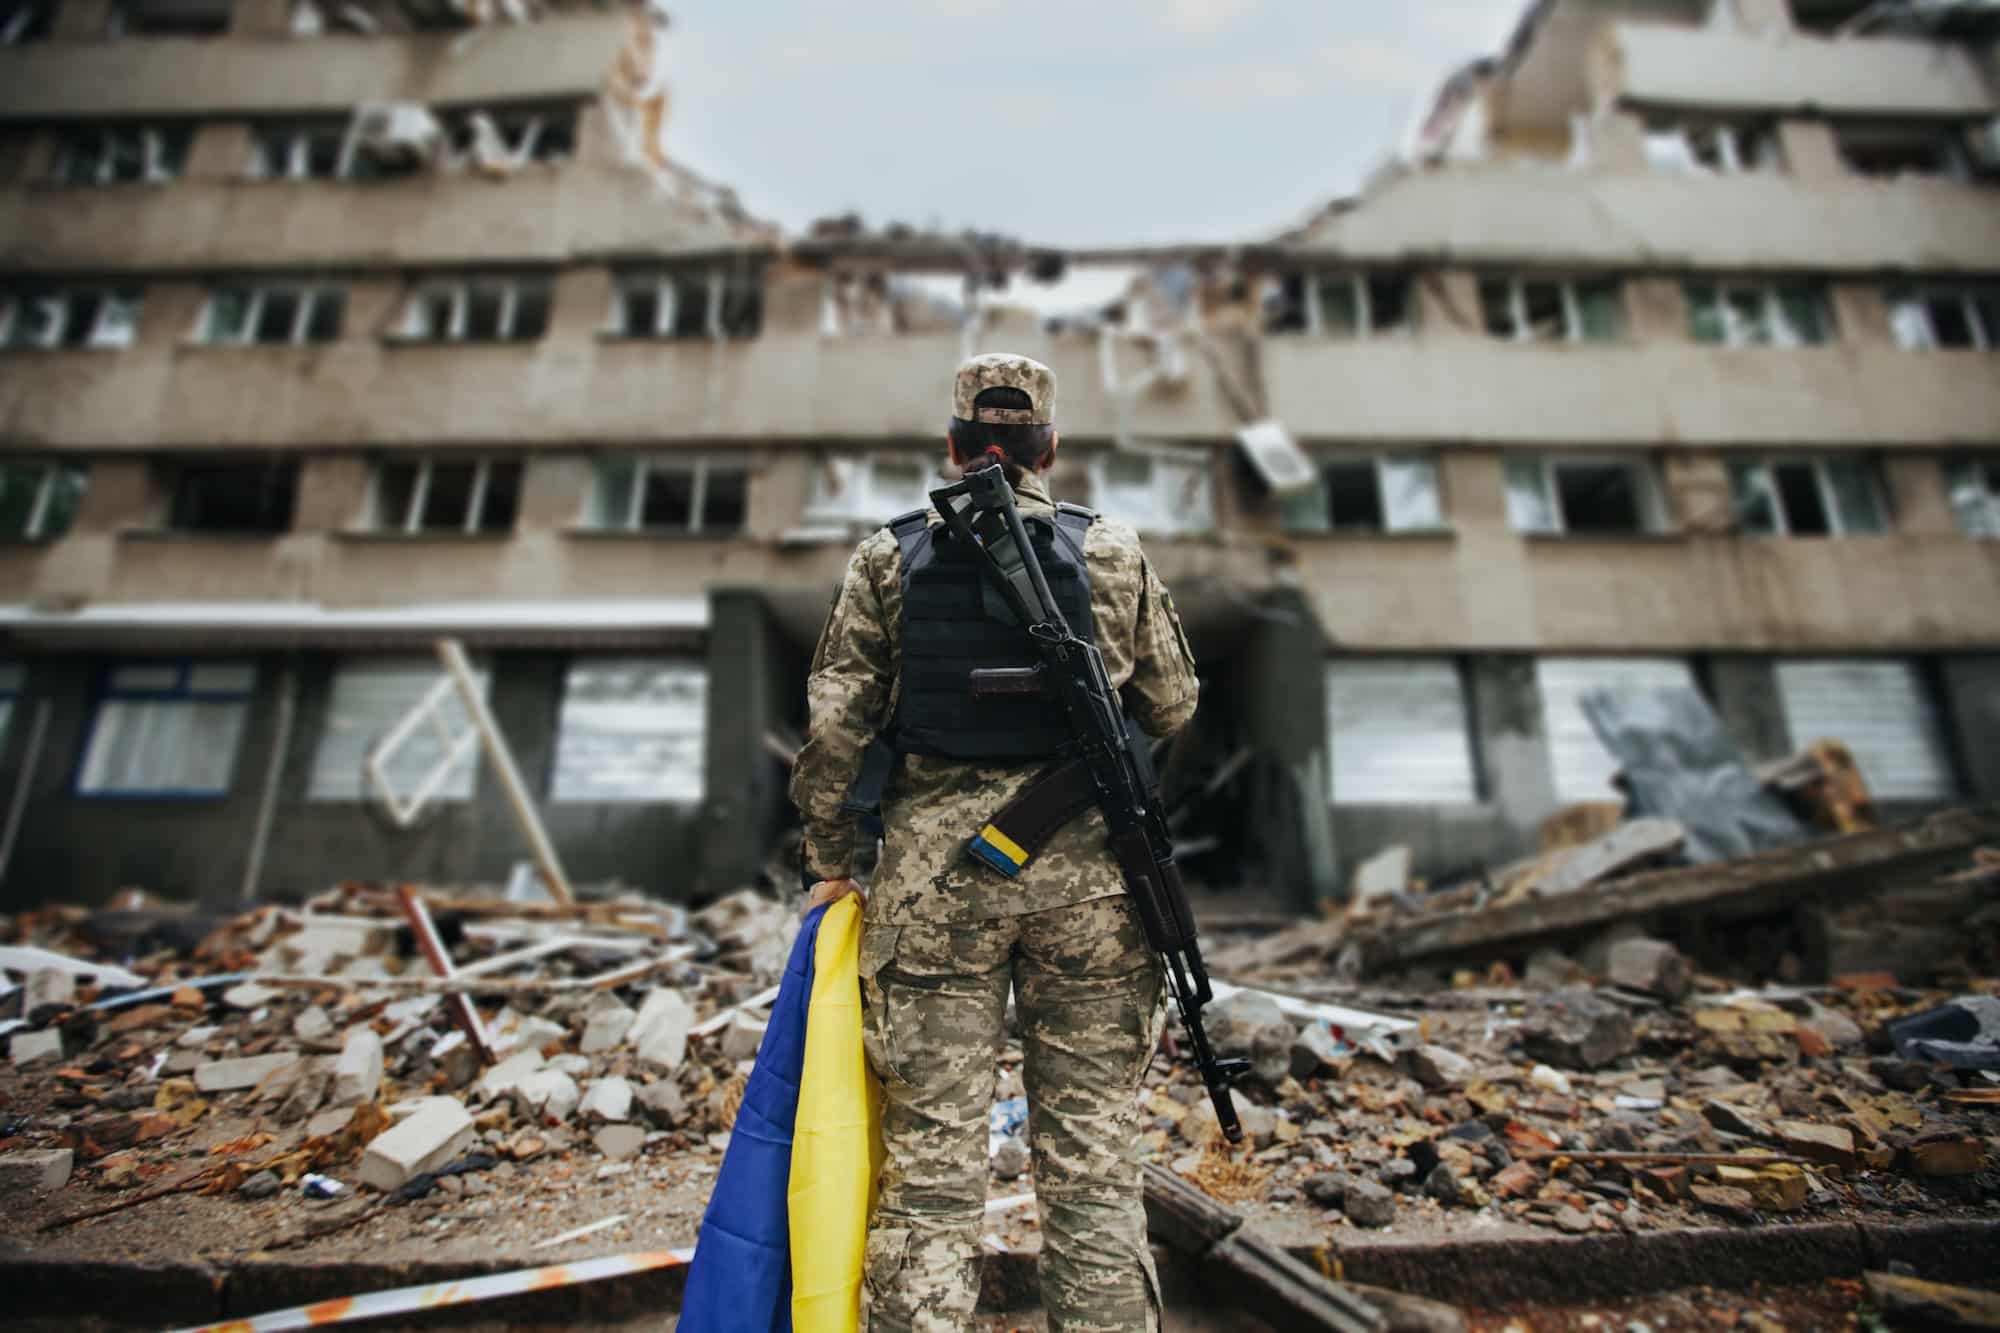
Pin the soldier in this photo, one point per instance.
(944, 938)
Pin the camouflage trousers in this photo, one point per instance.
(1088, 996)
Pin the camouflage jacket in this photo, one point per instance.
(933, 805)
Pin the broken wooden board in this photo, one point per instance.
(1259, 1275)
(1769, 881)
(1629, 845)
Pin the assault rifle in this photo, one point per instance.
(1108, 771)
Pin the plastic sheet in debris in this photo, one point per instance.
(25, 959)
(1006, 1120)
(1963, 1033)
(1678, 763)
(1379, 1034)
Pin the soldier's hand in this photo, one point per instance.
(830, 891)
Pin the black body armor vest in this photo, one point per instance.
(954, 621)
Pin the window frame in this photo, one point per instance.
(309, 295)
(1829, 498)
(460, 290)
(1313, 283)
(411, 524)
(183, 691)
(1768, 291)
(14, 300)
(643, 465)
(1914, 301)
(297, 136)
(559, 794)
(182, 471)
(1730, 141)
(51, 470)
(1574, 333)
(1379, 462)
(1474, 790)
(1654, 517)
(1190, 463)
(150, 144)
(865, 504)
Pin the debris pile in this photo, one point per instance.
(391, 1043)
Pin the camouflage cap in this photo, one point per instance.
(1005, 370)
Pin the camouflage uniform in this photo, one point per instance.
(945, 938)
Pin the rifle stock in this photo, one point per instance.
(980, 511)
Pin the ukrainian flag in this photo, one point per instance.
(781, 1242)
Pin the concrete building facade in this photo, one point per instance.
(1669, 355)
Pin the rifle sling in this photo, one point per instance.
(1012, 838)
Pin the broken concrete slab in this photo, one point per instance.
(249, 995)
(358, 1075)
(1649, 966)
(546, 1095)
(661, 1029)
(662, 1102)
(1437, 1067)
(27, 1048)
(606, 1099)
(243, 1072)
(37, 1169)
(605, 1028)
(422, 1142)
(1634, 843)
(745, 1034)
(1382, 875)
(1576, 1029)
(504, 1077)
(48, 988)
(312, 1025)
(1820, 1143)
(618, 1142)
(1249, 1025)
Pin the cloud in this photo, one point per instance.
(1201, 18)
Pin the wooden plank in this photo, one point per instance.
(1258, 1274)
(1815, 869)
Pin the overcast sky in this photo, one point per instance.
(1075, 122)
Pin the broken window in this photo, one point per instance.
(1339, 305)
(241, 313)
(1154, 491)
(688, 303)
(444, 495)
(169, 18)
(302, 150)
(1724, 148)
(38, 499)
(1905, 150)
(1397, 732)
(1945, 316)
(234, 497)
(1578, 762)
(1807, 497)
(496, 309)
(871, 489)
(167, 729)
(370, 695)
(1759, 314)
(118, 154)
(706, 496)
(1582, 496)
(507, 138)
(1550, 309)
(1386, 493)
(1974, 485)
(24, 21)
(1883, 712)
(631, 730)
(69, 317)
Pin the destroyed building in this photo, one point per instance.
(1667, 356)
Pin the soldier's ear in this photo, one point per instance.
(1048, 460)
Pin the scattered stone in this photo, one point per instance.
(1551, 1080)
(1516, 1181)
(1733, 1119)
(40, 1169)
(1251, 1026)
(1397, 1173)
(606, 1099)
(1778, 1188)
(742, 1036)
(1822, 1143)
(1010, 1159)
(1442, 1185)
(329, 1122)
(195, 1038)
(1327, 1188)
(306, 1094)
(1575, 1029)
(249, 995)
(1726, 1199)
(312, 1025)
(243, 1072)
(1437, 1067)
(1368, 1204)
(261, 1186)
(1315, 1049)
(1548, 969)
(1946, 1155)
(660, 1032)
(423, 1142)
(605, 1029)
(49, 988)
(1403, 1313)
(27, 1048)
(662, 1102)
(358, 1076)
(1573, 1220)
(618, 1142)
(504, 1077)
(1652, 967)
(547, 1095)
